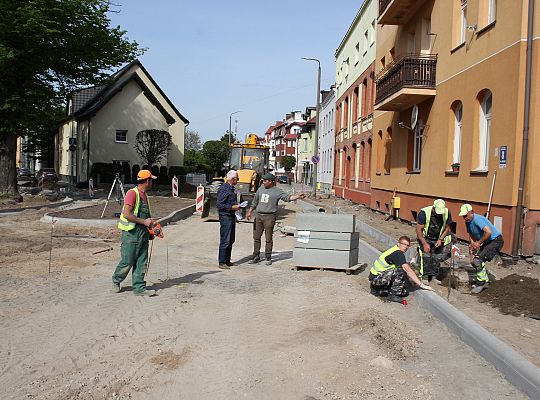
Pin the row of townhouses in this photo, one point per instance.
(432, 98)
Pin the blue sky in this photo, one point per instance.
(212, 57)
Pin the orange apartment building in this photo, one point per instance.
(451, 112)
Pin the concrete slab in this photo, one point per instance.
(325, 222)
(327, 240)
(325, 258)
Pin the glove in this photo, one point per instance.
(426, 287)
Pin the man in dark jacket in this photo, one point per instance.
(227, 204)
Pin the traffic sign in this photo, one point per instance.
(72, 141)
(315, 159)
(72, 147)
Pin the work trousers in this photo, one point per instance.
(486, 253)
(133, 254)
(392, 281)
(263, 223)
(430, 262)
(227, 233)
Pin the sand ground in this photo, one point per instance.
(253, 332)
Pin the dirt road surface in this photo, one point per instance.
(252, 332)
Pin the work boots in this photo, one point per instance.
(255, 260)
(268, 260)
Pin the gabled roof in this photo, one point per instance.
(89, 101)
(270, 129)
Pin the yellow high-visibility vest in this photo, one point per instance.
(123, 223)
(380, 264)
(427, 211)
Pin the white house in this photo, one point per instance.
(102, 123)
(327, 121)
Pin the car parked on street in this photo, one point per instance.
(46, 175)
(24, 173)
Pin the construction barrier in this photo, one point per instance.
(199, 205)
(91, 187)
(174, 186)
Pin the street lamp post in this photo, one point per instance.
(230, 123)
(316, 145)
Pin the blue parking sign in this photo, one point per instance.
(503, 153)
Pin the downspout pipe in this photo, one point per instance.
(526, 117)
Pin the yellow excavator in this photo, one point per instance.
(251, 160)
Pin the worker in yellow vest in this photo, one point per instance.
(136, 217)
(390, 271)
(434, 239)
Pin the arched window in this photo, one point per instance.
(458, 124)
(378, 165)
(485, 129)
(388, 151)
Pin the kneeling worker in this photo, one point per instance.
(390, 271)
(265, 204)
(486, 242)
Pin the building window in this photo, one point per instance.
(356, 53)
(458, 125)
(485, 129)
(463, 21)
(379, 151)
(372, 37)
(487, 12)
(305, 144)
(388, 151)
(417, 150)
(121, 136)
(366, 41)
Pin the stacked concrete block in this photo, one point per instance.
(325, 240)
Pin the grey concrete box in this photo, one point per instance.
(325, 222)
(325, 258)
(327, 240)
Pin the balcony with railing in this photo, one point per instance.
(398, 12)
(408, 81)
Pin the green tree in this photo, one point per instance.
(192, 140)
(288, 162)
(194, 161)
(216, 153)
(47, 50)
(225, 138)
(152, 145)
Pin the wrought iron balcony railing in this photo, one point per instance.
(410, 71)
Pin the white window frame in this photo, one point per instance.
(417, 145)
(305, 144)
(120, 131)
(463, 36)
(372, 38)
(356, 53)
(458, 129)
(485, 131)
(491, 11)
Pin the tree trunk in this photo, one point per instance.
(8, 170)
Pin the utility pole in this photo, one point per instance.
(318, 110)
(230, 124)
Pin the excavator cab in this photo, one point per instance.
(251, 161)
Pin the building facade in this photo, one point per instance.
(102, 124)
(355, 58)
(327, 121)
(450, 112)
